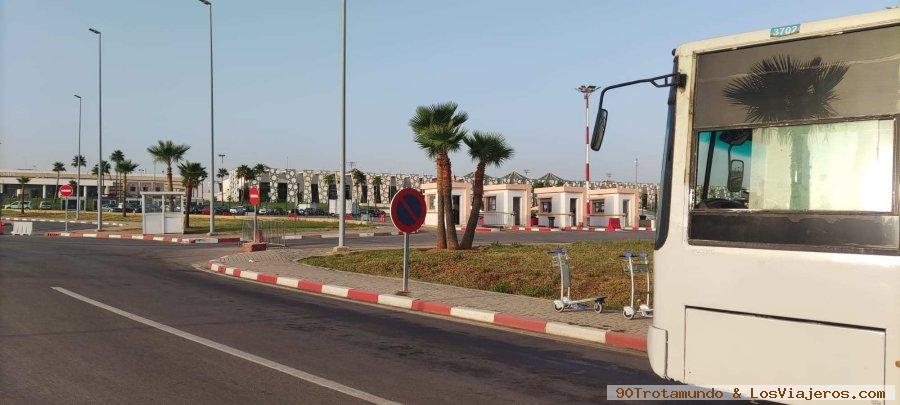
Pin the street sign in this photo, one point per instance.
(254, 196)
(408, 210)
(65, 190)
(408, 214)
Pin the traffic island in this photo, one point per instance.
(254, 246)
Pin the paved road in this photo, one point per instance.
(40, 227)
(57, 346)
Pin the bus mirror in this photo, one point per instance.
(599, 130)
(735, 175)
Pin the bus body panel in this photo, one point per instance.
(807, 289)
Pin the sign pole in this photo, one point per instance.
(255, 212)
(405, 262)
(67, 214)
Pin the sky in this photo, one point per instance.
(513, 66)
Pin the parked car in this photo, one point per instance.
(45, 205)
(16, 205)
(220, 210)
(265, 211)
(237, 210)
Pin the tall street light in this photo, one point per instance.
(99, 127)
(212, 130)
(78, 164)
(586, 90)
(341, 196)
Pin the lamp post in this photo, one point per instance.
(212, 131)
(99, 127)
(341, 197)
(586, 90)
(78, 164)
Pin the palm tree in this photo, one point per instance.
(22, 181)
(329, 181)
(485, 148)
(116, 157)
(221, 173)
(782, 88)
(258, 170)
(78, 160)
(57, 167)
(245, 173)
(125, 167)
(437, 130)
(192, 173)
(168, 153)
(359, 178)
(376, 190)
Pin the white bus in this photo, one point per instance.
(777, 259)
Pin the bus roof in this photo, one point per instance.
(807, 29)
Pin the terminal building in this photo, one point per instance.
(42, 184)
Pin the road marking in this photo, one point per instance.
(324, 382)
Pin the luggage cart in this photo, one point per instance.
(637, 263)
(561, 260)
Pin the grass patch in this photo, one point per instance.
(515, 269)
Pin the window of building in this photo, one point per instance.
(546, 205)
(132, 189)
(490, 203)
(432, 205)
(598, 206)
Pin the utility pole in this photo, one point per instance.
(99, 128)
(212, 132)
(341, 197)
(78, 164)
(586, 90)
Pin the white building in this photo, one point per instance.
(560, 207)
(42, 184)
(613, 203)
(506, 205)
(461, 202)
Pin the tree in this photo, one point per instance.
(78, 160)
(105, 168)
(359, 178)
(168, 153)
(57, 167)
(782, 88)
(438, 132)
(258, 170)
(245, 173)
(22, 182)
(125, 167)
(116, 157)
(376, 190)
(485, 148)
(192, 173)
(329, 181)
(222, 173)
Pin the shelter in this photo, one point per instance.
(460, 204)
(560, 207)
(506, 205)
(613, 203)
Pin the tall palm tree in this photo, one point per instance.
(192, 173)
(245, 173)
(437, 130)
(168, 153)
(22, 182)
(485, 148)
(260, 169)
(359, 178)
(125, 167)
(57, 167)
(782, 88)
(376, 190)
(116, 157)
(329, 180)
(78, 160)
(221, 173)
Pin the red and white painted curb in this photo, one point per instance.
(348, 235)
(575, 229)
(479, 229)
(533, 229)
(21, 219)
(596, 335)
(168, 239)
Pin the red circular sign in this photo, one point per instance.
(408, 210)
(65, 190)
(254, 196)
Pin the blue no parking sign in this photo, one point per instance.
(408, 210)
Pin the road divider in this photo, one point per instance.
(595, 335)
(154, 238)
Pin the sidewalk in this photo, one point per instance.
(282, 262)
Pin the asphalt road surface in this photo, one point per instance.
(111, 321)
(39, 227)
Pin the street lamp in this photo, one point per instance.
(78, 164)
(586, 90)
(341, 197)
(99, 127)
(212, 130)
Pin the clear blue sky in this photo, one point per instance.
(512, 65)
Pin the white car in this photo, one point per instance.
(16, 205)
(237, 210)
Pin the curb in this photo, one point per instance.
(23, 219)
(168, 239)
(595, 335)
(479, 229)
(347, 235)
